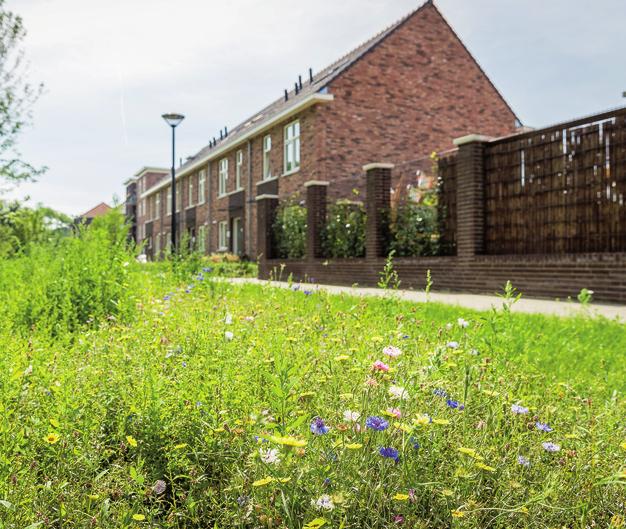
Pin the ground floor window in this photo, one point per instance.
(202, 239)
(222, 239)
(237, 236)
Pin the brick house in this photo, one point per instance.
(399, 96)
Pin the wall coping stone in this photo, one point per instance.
(263, 197)
(316, 183)
(378, 165)
(471, 138)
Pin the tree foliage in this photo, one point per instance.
(17, 97)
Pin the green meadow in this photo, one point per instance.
(153, 396)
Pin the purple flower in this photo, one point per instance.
(414, 443)
(207, 269)
(184, 364)
(376, 423)
(440, 393)
(318, 427)
(453, 345)
(544, 427)
(521, 460)
(242, 500)
(519, 410)
(307, 292)
(455, 404)
(167, 297)
(389, 453)
(550, 447)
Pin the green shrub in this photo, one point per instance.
(290, 230)
(344, 234)
(414, 230)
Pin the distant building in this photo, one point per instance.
(97, 211)
(396, 98)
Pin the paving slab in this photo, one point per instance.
(470, 301)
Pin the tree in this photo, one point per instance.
(17, 97)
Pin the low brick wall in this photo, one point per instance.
(546, 276)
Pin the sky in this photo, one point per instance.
(112, 67)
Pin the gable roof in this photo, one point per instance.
(97, 211)
(311, 93)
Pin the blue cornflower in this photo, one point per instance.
(390, 453)
(376, 423)
(455, 404)
(318, 427)
(521, 460)
(207, 269)
(199, 277)
(550, 447)
(544, 427)
(184, 364)
(414, 443)
(518, 410)
(167, 297)
(440, 393)
(405, 337)
(307, 292)
(295, 288)
(327, 482)
(242, 500)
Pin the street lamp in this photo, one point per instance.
(173, 120)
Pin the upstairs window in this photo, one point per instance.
(292, 147)
(179, 196)
(239, 169)
(201, 186)
(267, 151)
(157, 206)
(168, 205)
(190, 191)
(223, 177)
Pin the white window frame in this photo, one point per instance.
(267, 153)
(179, 195)
(292, 147)
(201, 240)
(157, 206)
(222, 177)
(238, 169)
(201, 186)
(168, 200)
(190, 191)
(222, 236)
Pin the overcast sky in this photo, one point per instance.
(112, 67)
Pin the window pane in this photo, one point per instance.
(296, 146)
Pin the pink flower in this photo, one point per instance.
(380, 366)
(395, 412)
(392, 352)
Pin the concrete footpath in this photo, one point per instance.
(470, 301)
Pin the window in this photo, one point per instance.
(239, 169)
(292, 147)
(201, 186)
(222, 233)
(142, 207)
(201, 239)
(157, 245)
(267, 150)
(190, 191)
(157, 206)
(223, 177)
(168, 206)
(179, 195)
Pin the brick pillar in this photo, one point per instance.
(470, 195)
(377, 202)
(265, 211)
(315, 217)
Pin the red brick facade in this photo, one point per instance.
(409, 94)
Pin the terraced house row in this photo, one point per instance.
(403, 94)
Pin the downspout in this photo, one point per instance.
(248, 206)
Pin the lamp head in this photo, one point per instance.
(173, 119)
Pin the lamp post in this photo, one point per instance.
(173, 120)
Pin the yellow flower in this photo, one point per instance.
(342, 358)
(54, 423)
(623, 445)
(354, 446)
(283, 480)
(485, 467)
(287, 441)
(470, 452)
(93, 497)
(422, 420)
(458, 514)
(441, 421)
(139, 517)
(315, 524)
(131, 441)
(52, 438)
(262, 482)
(447, 492)
(401, 497)
(180, 446)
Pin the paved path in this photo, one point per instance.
(470, 301)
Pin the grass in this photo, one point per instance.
(193, 403)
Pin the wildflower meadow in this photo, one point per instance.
(141, 395)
